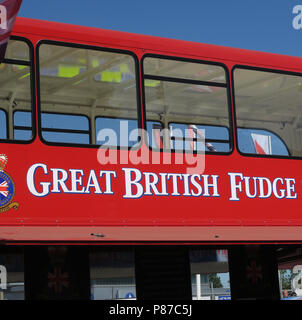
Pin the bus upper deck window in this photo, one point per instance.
(15, 93)
(84, 85)
(270, 103)
(257, 141)
(189, 99)
(3, 125)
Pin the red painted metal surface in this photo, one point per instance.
(73, 217)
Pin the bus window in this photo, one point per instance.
(3, 127)
(22, 125)
(65, 128)
(17, 50)
(269, 102)
(112, 274)
(78, 82)
(12, 274)
(125, 131)
(15, 92)
(210, 274)
(249, 141)
(155, 137)
(183, 137)
(189, 98)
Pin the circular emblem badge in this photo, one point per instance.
(7, 189)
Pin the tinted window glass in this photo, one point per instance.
(210, 274)
(3, 127)
(112, 275)
(269, 102)
(124, 132)
(15, 90)
(86, 82)
(184, 94)
(65, 128)
(248, 142)
(12, 270)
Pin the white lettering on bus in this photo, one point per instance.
(61, 177)
(135, 187)
(129, 182)
(263, 187)
(30, 178)
(108, 180)
(41, 181)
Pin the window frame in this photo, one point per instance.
(87, 47)
(226, 85)
(236, 127)
(30, 64)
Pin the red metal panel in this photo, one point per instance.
(111, 235)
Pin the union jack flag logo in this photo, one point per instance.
(254, 272)
(58, 280)
(4, 189)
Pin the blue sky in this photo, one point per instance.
(257, 25)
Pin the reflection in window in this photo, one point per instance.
(289, 272)
(112, 275)
(192, 137)
(271, 103)
(210, 275)
(187, 95)
(257, 141)
(13, 261)
(155, 134)
(86, 82)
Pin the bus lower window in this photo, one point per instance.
(79, 82)
(112, 275)
(270, 103)
(15, 93)
(12, 270)
(190, 96)
(210, 274)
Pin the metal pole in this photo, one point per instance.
(198, 293)
(212, 291)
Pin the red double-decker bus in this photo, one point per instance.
(137, 167)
